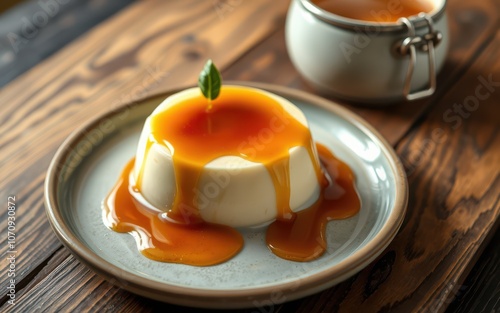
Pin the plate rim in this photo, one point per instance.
(234, 298)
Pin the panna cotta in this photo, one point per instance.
(248, 161)
(214, 159)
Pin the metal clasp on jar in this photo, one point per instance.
(409, 46)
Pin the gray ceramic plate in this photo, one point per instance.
(88, 163)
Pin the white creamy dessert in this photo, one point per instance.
(231, 190)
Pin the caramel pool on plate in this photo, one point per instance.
(268, 138)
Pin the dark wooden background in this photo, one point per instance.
(91, 53)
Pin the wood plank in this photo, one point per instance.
(64, 270)
(444, 230)
(91, 293)
(148, 45)
(480, 292)
(35, 29)
(424, 265)
(116, 300)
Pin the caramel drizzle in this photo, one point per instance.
(190, 240)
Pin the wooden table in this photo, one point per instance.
(154, 46)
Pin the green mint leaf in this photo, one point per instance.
(210, 81)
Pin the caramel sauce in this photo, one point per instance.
(161, 240)
(303, 238)
(375, 10)
(230, 128)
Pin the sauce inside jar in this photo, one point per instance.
(375, 10)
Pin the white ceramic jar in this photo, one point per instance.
(369, 62)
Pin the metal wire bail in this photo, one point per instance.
(425, 43)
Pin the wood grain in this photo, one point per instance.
(480, 292)
(26, 41)
(423, 267)
(454, 182)
(148, 45)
